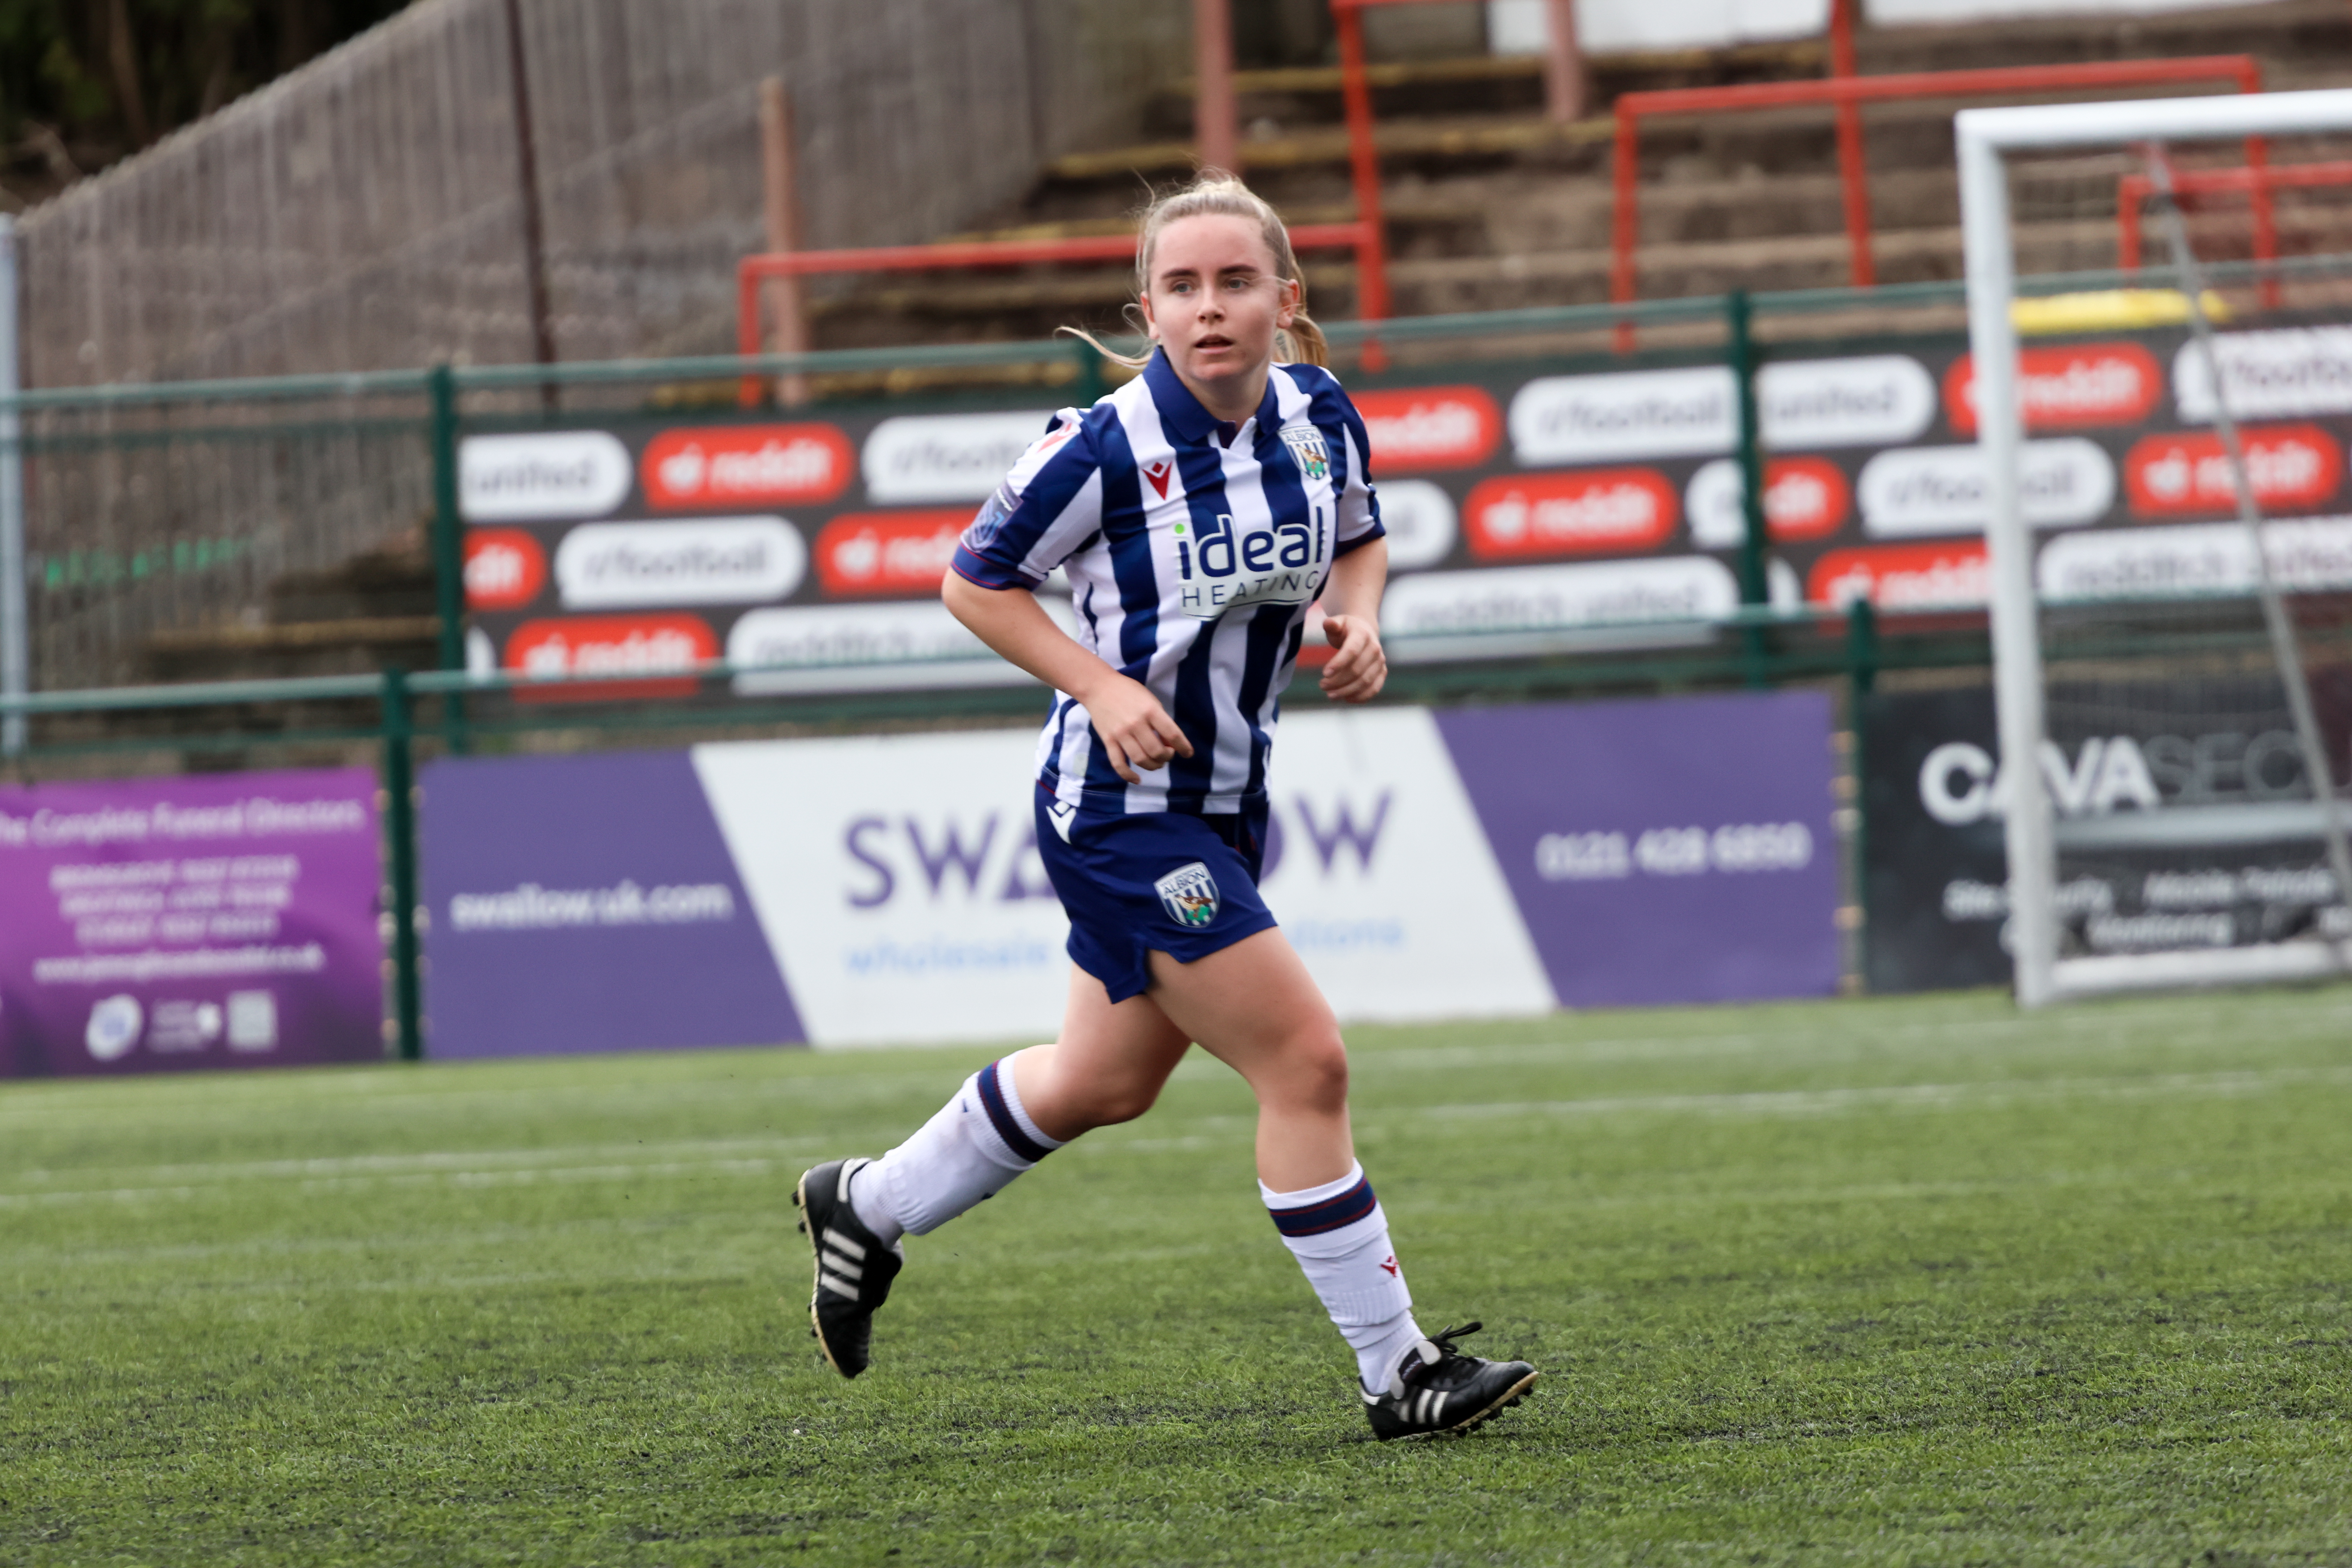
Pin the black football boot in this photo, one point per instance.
(1439, 1389)
(854, 1266)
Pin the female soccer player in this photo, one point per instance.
(1199, 510)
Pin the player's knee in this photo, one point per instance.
(1125, 1102)
(1317, 1060)
(1108, 1104)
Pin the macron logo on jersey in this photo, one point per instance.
(1158, 474)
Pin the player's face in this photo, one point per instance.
(1214, 303)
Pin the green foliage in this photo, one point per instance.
(60, 70)
(1916, 1281)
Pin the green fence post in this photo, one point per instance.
(448, 547)
(1090, 372)
(400, 839)
(1862, 647)
(1740, 349)
(1861, 679)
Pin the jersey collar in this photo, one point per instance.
(1181, 411)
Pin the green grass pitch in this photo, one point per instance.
(1883, 1282)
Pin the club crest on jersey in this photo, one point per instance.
(1306, 443)
(1189, 894)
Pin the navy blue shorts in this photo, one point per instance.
(1163, 881)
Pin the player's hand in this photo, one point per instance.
(1360, 666)
(1136, 730)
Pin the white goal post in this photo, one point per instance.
(1985, 137)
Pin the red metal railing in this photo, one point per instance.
(1363, 159)
(2257, 180)
(1855, 184)
(1215, 138)
(1361, 237)
(1563, 101)
(1849, 92)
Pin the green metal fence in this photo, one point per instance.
(186, 517)
(170, 528)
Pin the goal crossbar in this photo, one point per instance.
(1985, 138)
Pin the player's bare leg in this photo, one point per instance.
(1254, 1008)
(1107, 1066)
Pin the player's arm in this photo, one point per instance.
(1136, 730)
(1351, 622)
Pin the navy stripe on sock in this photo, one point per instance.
(1007, 1125)
(1314, 1219)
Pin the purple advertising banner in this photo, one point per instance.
(170, 923)
(870, 889)
(1664, 851)
(587, 903)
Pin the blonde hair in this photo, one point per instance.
(1214, 193)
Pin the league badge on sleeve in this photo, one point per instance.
(1306, 443)
(981, 530)
(1189, 894)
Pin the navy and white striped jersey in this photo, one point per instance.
(1193, 549)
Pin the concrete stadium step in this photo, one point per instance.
(1677, 269)
(1550, 246)
(2284, 35)
(1489, 205)
(1424, 137)
(1311, 94)
(373, 610)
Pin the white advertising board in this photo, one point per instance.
(2285, 370)
(897, 882)
(707, 561)
(918, 457)
(1922, 490)
(541, 474)
(2306, 554)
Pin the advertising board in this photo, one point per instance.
(2182, 820)
(582, 903)
(1584, 498)
(881, 889)
(1665, 851)
(160, 924)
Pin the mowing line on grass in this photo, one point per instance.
(813, 1078)
(460, 1159)
(1929, 1096)
(1210, 1130)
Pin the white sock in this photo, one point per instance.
(1340, 1237)
(970, 1150)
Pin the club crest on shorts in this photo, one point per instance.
(1306, 443)
(1189, 894)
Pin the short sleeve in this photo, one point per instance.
(1359, 504)
(1048, 506)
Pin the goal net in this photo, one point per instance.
(2180, 672)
